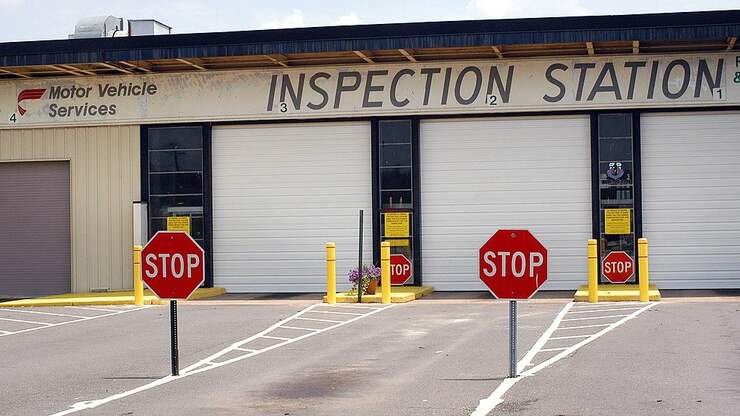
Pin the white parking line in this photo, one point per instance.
(584, 326)
(93, 309)
(595, 317)
(606, 310)
(272, 337)
(42, 313)
(319, 320)
(352, 307)
(488, 404)
(25, 322)
(339, 313)
(570, 337)
(209, 362)
(553, 349)
(43, 325)
(602, 304)
(299, 328)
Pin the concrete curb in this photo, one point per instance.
(105, 298)
(617, 293)
(399, 294)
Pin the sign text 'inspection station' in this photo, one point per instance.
(379, 89)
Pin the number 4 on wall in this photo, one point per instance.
(12, 118)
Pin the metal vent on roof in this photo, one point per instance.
(98, 27)
(142, 27)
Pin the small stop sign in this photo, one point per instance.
(172, 265)
(618, 267)
(401, 269)
(513, 264)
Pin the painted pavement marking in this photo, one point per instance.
(76, 318)
(210, 363)
(488, 404)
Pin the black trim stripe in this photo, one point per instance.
(471, 33)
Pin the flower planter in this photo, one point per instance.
(372, 286)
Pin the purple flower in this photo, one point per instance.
(368, 273)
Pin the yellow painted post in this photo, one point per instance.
(593, 271)
(138, 283)
(385, 272)
(642, 256)
(331, 273)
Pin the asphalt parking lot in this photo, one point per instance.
(435, 356)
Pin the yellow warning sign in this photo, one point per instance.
(397, 225)
(617, 221)
(178, 224)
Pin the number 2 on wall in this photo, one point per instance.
(491, 99)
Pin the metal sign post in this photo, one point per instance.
(514, 279)
(173, 268)
(173, 338)
(359, 265)
(512, 339)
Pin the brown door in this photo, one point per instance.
(35, 246)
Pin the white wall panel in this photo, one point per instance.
(691, 198)
(481, 175)
(280, 192)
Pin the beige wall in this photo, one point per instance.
(104, 170)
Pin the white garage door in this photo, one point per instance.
(480, 175)
(691, 198)
(280, 192)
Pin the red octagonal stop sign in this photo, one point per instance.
(513, 264)
(618, 267)
(172, 265)
(401, 269)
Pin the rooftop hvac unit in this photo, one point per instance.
(98, 27)
(143, 27)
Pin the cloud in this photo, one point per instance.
(481, 9)
(349, 19)
(295, 19)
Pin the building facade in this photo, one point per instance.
(606, 127)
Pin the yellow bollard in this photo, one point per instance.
(642, 256)
(593, 271)
(138, 283)
(385, 272)
(331, 273)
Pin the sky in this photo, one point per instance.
(53, 19)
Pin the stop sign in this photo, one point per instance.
(401, 270)
(513, 264)
(172, 265)
(618, 267)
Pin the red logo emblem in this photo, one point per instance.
(32, 94)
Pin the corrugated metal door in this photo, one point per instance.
(35, 248)
(280, 192)
(481, 175)
(691, 198)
